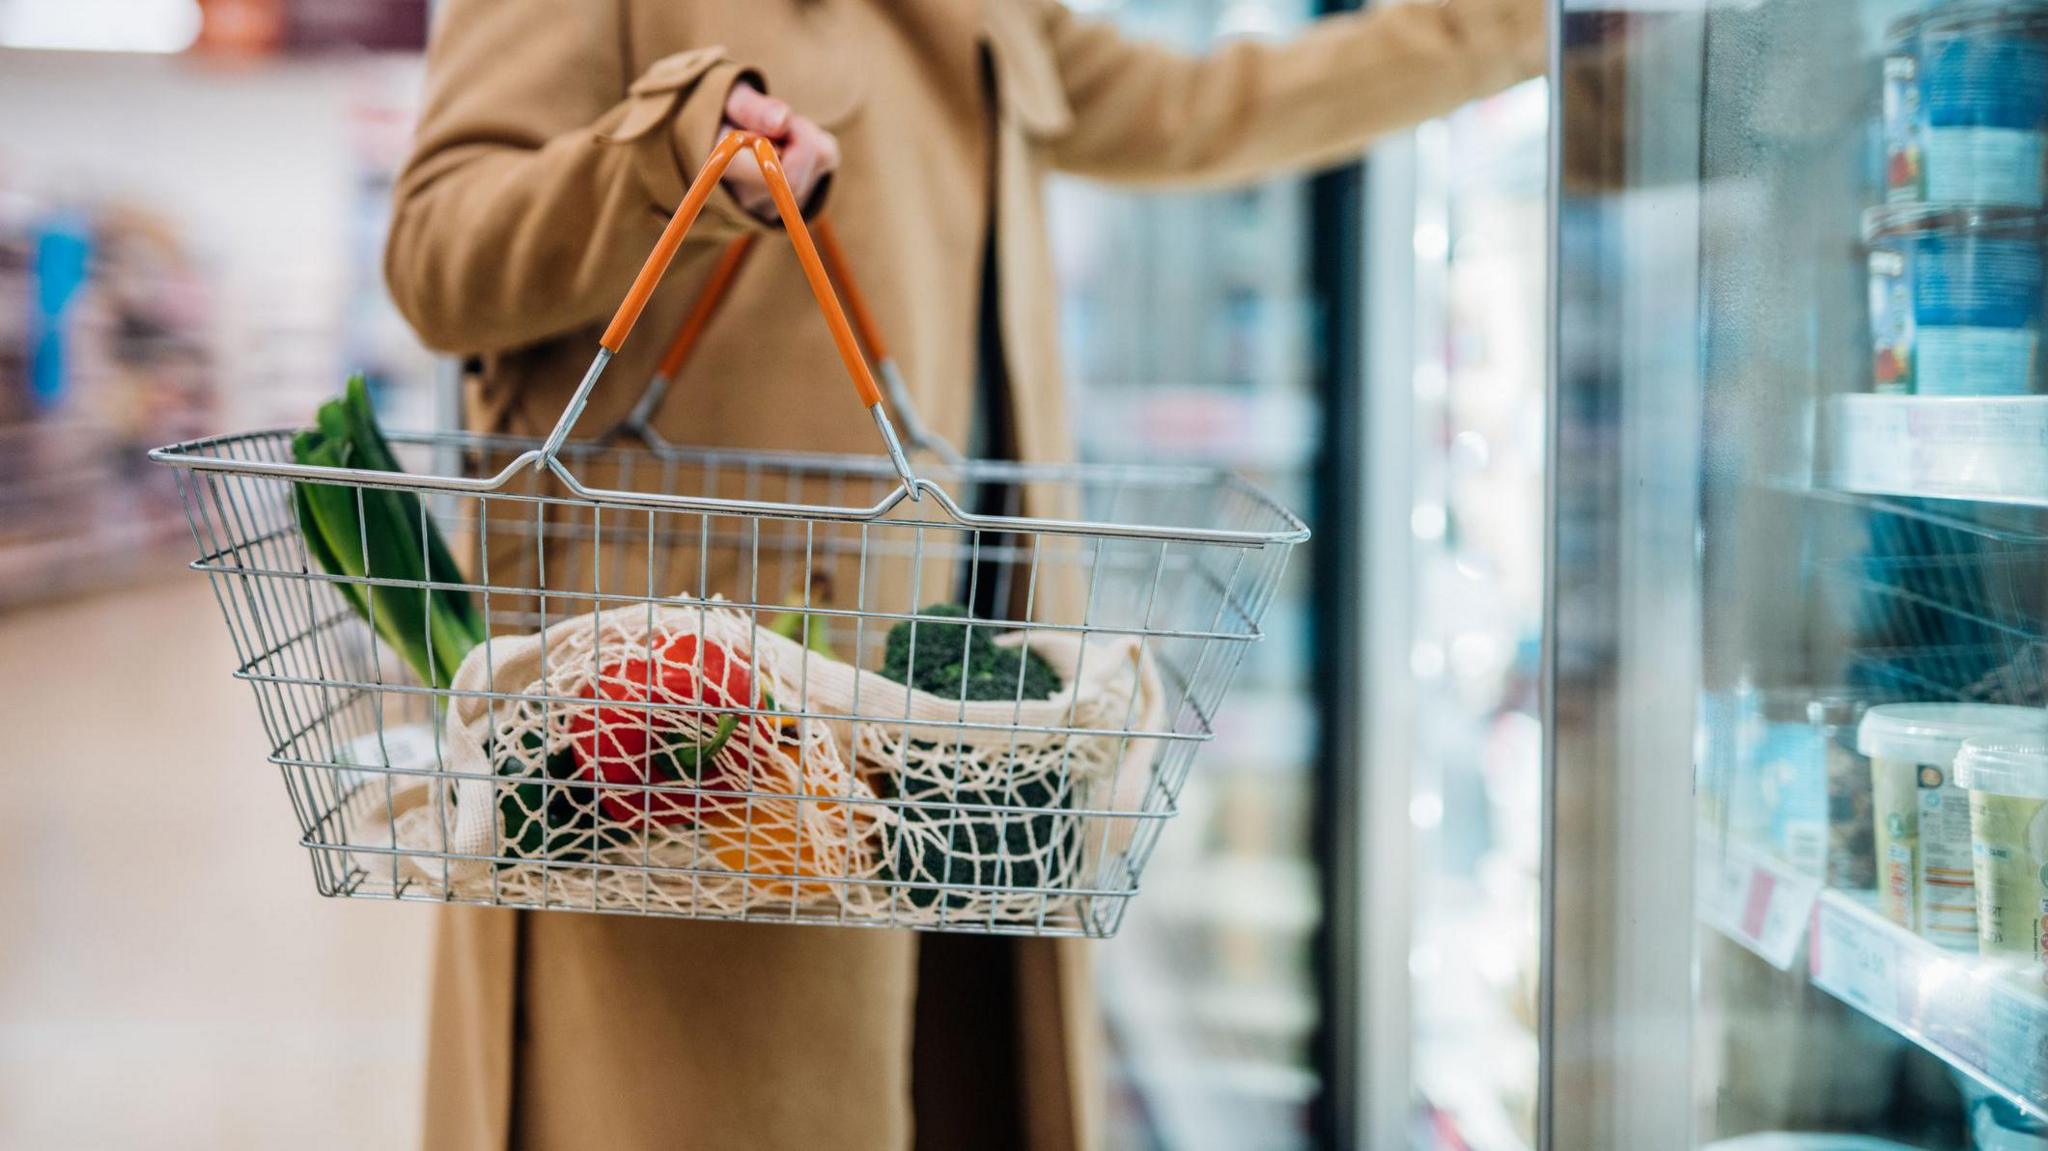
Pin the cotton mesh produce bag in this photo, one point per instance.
(903, 812)
(995, 790)
(600, 791)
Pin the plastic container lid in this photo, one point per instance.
(2025, 17)
(1934, 732)
(1835, 711)
(2003, 766)
(1891, 221)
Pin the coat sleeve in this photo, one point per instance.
(542, 173)
(1147, 114)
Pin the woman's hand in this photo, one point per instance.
(809, 153)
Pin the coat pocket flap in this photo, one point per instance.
(651, 101)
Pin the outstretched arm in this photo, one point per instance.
(1148, 114)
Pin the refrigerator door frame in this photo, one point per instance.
(1375, 798)
(1621, 587)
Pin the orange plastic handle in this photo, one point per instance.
(679, 225)
(722, 275)
(727, 270)
(856, 300)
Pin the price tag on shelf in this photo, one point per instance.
(1856, 960)
(2016, 1041)
(1756, 900)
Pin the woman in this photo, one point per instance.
(557, 138)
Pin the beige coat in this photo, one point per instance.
(557, 137)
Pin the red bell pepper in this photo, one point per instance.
(627, 745)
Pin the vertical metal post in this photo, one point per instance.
(1621, 634)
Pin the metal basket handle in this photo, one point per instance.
(639, 420)
(916, 433)
(664, 254)
(921, 435)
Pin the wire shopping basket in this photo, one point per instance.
(700, 683)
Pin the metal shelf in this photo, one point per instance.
(1987, 1023)
(1987, 449)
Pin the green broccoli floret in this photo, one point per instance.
(948, 653)
(963, 850)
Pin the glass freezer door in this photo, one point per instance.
(1796, 850)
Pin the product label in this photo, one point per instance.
(1975, 361)
(1891, 321)
(1947, 890)
(1984, 166)
(1896, 821)
(2010, 850)
(1902, 163)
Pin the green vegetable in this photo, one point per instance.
(385, 534)
(957, 661)
(988, 849)
(542, 822)
(806, 629)
(945, 845)
(814, 632)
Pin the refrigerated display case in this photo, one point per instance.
(1469, 625)
(1796, 864)
(1190, 324)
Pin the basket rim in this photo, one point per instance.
(208, 455)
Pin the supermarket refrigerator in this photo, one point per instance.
(1433, 825)
(1303, 973)
(1795, 774)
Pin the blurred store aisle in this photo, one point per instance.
(167, 976)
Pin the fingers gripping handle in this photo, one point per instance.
(664, 254)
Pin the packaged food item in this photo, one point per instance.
(1903, 163)
(2008, 785)
(1921, 818)
(1851, 856)
(1955, 300)
(1794, 771)
(1966, 105)
(1734, 755)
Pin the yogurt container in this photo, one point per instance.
(1966, 106)
(1955, 300)
(2008, 784)
(1926, 876)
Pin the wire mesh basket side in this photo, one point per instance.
(934, 823)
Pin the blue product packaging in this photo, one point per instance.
(1955, 300)
(1903, 125)
(1966, 106)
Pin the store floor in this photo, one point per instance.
(168, 978)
